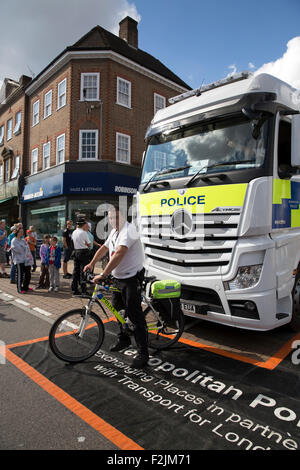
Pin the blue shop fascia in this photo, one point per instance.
(72, 190)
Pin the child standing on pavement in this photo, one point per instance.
(44, 282)
(52, 259)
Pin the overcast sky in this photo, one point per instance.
(200, 41)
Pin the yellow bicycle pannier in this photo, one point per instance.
(166, 289)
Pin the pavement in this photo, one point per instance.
(50, 304)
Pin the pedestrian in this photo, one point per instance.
(68, 248)
(10, 239)
(22, 258)
(31, 240)
(53, 261)
(126, 265)
(94, 245)
(3, 241)
(44, 282)
(82, 246)
(34, 235)
(12, 267)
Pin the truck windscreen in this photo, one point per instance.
(226, 145)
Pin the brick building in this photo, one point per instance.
(12, 145)
(86, 115)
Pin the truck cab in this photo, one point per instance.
(219, 201)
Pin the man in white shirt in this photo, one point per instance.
(82, 244)
(126, 265)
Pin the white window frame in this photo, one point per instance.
(1, 172)
(81, 132)
(35, 113)
(6, 171)
(18, 120)
(9, 129)
(2, 132)
(58, 150)
(34, 160)
(119, 148)
(82, 87)
(156, 98)
(46, 156)
(16, 171)
(61, 95)
(48, 106)
(120, 92)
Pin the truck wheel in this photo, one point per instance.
(295, 321)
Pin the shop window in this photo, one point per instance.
(47, 218)
(159, 102)
(90, 85)
(124, 92)
(285, 169)
(88, 144)
(48, 104)
(1, 173)
(123, 148)
(62, 93)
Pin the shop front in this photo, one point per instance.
(9, 207)
(49, 202)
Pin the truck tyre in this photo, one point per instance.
(295, 321)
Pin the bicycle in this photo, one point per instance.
(79, 333)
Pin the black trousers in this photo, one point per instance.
(129, 299)
(23, 276)
(81, 259)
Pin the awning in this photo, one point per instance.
(7, 199)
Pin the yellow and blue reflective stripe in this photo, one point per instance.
(286, 204)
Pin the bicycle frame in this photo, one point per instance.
(96, 295)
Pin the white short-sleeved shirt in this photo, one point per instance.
(80, 237)
(133, 260)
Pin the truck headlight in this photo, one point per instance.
(247, 276)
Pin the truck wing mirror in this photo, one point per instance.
(295, 140)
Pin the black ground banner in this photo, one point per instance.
(185, 399)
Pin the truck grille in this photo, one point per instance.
(205, 250)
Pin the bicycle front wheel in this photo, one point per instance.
(76, 336)
(163, 330)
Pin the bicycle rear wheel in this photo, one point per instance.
(163, 329)
(68, 343)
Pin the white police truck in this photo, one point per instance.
(219, 201)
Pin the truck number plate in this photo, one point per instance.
(188, 307)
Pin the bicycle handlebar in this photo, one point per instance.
(89, 278)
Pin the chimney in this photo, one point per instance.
(128, 31)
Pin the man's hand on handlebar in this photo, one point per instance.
(99, 278)
(88, 267)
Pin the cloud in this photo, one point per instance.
(233, 68)
(287, 67)
(41, 30)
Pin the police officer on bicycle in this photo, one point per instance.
(126, 266)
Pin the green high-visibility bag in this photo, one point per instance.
(168, 289)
